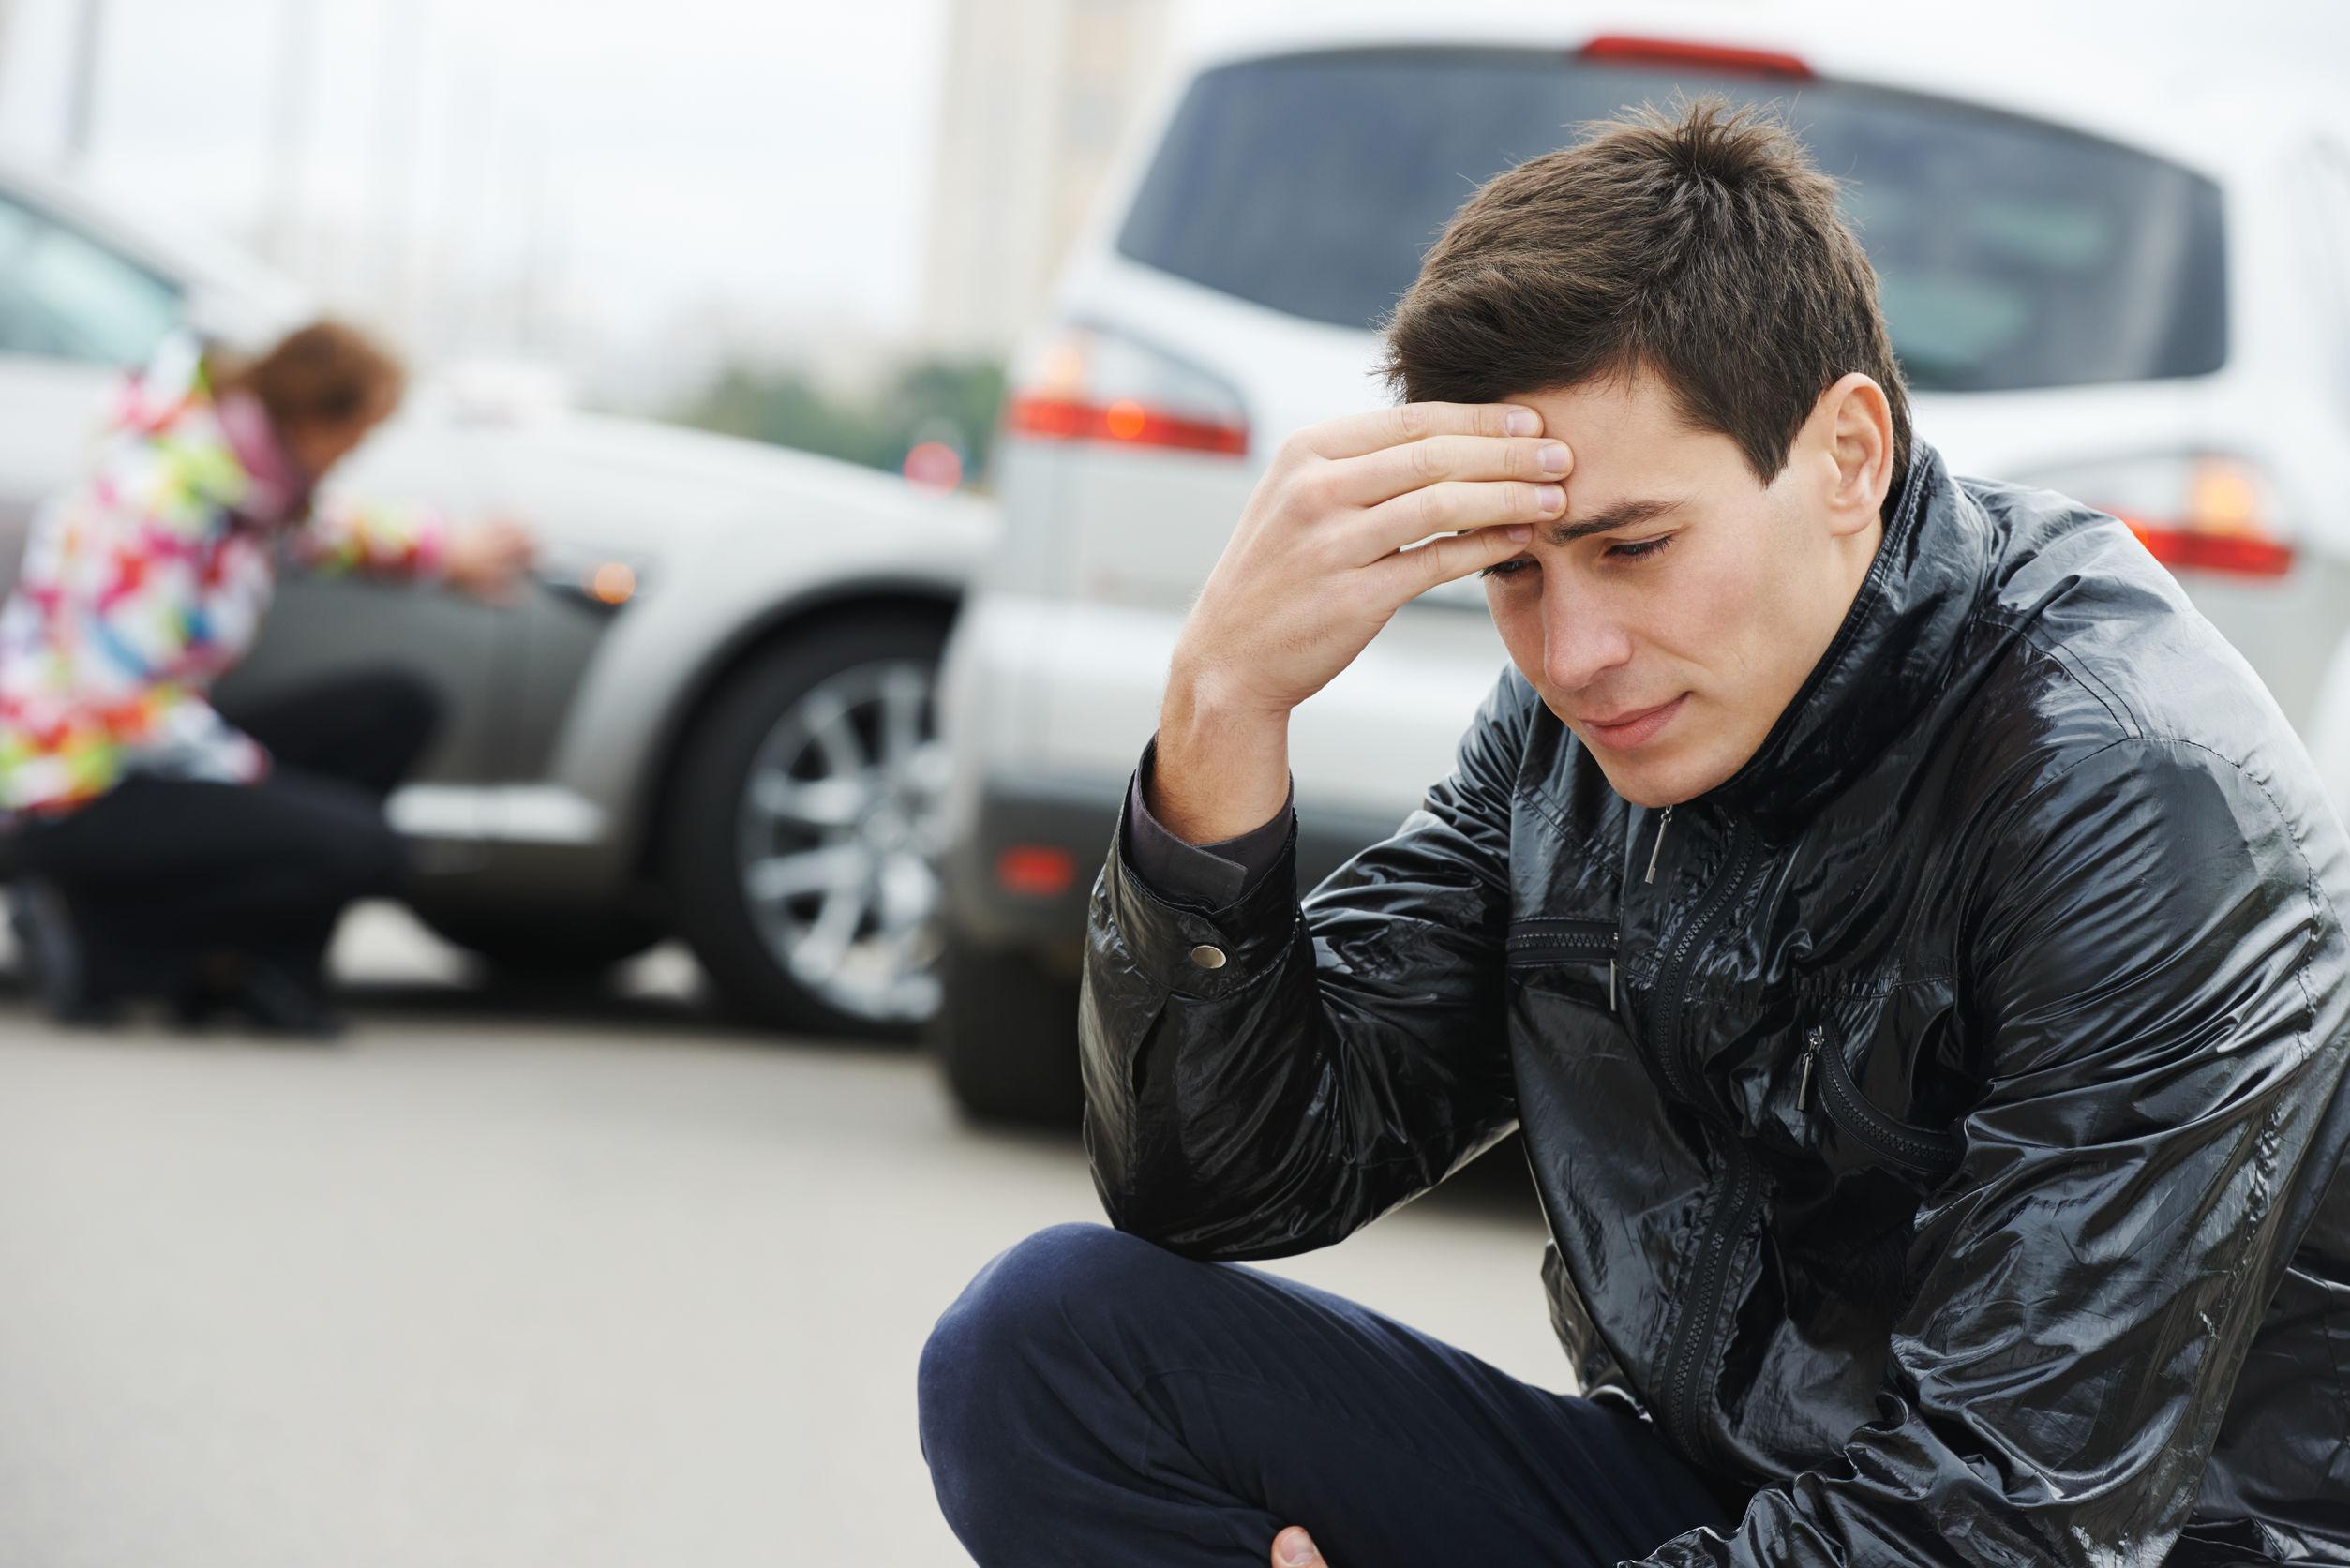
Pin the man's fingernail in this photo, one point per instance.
(1522, 421)
(1300, 1549)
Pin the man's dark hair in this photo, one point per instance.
(1702, 245)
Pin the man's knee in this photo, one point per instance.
(1031, 1322)
(1018, 1306)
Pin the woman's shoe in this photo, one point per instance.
(209, 987)
(280, 1003)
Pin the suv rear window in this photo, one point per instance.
(2010, 253)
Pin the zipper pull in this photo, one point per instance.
(1662, 823)
(1612, 985)
(1813, 1040)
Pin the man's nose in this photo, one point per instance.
(1581, 642)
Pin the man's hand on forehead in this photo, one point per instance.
(1352, 519)
(1323, 553)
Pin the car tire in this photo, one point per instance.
(818, 759)
(544, 944)
(1006, 1036)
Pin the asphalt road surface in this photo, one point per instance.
(572, 1281)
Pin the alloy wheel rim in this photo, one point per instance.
(838, 839)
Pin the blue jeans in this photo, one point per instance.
(1093, 1400)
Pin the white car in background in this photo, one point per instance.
(2148, 316)
(717, 719)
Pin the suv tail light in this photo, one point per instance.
(2198, 511)
(1085, 384)
(1682, 53)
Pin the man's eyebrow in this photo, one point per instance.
(1624, 513)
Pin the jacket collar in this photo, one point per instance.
(275, 486)
(1889, 658)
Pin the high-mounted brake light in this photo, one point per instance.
(1622, 49)
(1087, 384)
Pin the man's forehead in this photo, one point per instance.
(1632, 447)
(1633, 405)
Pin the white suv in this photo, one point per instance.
(2158, 329)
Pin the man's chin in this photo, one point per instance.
(1657, 782)
(1666, 771)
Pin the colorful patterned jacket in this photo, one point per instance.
(147, 579)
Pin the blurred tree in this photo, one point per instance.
(952, 400)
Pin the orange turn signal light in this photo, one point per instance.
(614, 582)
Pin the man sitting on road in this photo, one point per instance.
(1907, 936)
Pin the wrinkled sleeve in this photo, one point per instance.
(1209, 875)
(123, 588)
(2143, 945)
(345, 534)
(1268, 1076)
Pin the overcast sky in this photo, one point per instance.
(666, 155)
(777, 151)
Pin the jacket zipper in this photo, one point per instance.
(1658, 848)
(1549, 938)
(1691, 1349)
(1544, 939)
(1920, 1149)
(1676, 969)
(1690, 1346)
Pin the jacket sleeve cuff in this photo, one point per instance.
(1193, 948)
(1210, 875)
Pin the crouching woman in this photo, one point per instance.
(161, 849)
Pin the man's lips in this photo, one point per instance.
(1629, 716)
(1631, 726)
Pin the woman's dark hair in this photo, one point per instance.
(1701, 245)
(327, 373)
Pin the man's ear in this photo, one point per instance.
(1855, 423)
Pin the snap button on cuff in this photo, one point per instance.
(1207, 957)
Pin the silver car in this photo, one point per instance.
(715, 719)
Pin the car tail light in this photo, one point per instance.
(1036, 870)
(1681, 53)
(2196, 512)
(1087, 384)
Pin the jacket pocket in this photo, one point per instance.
(1827, 1080)
(1565, 944)
(1542, 939)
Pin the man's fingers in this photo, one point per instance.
(1295, 1548)
(1449, 508)
(1455, 555)
(1352, 435)
(1396, 471)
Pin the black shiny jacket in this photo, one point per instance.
(1941, 1123)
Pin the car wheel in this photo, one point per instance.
(804, 828)
(544, 943)
(1006, 1036)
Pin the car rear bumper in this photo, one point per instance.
(1035, 820)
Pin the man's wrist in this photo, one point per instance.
(1207, 876)
(1221, 769)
